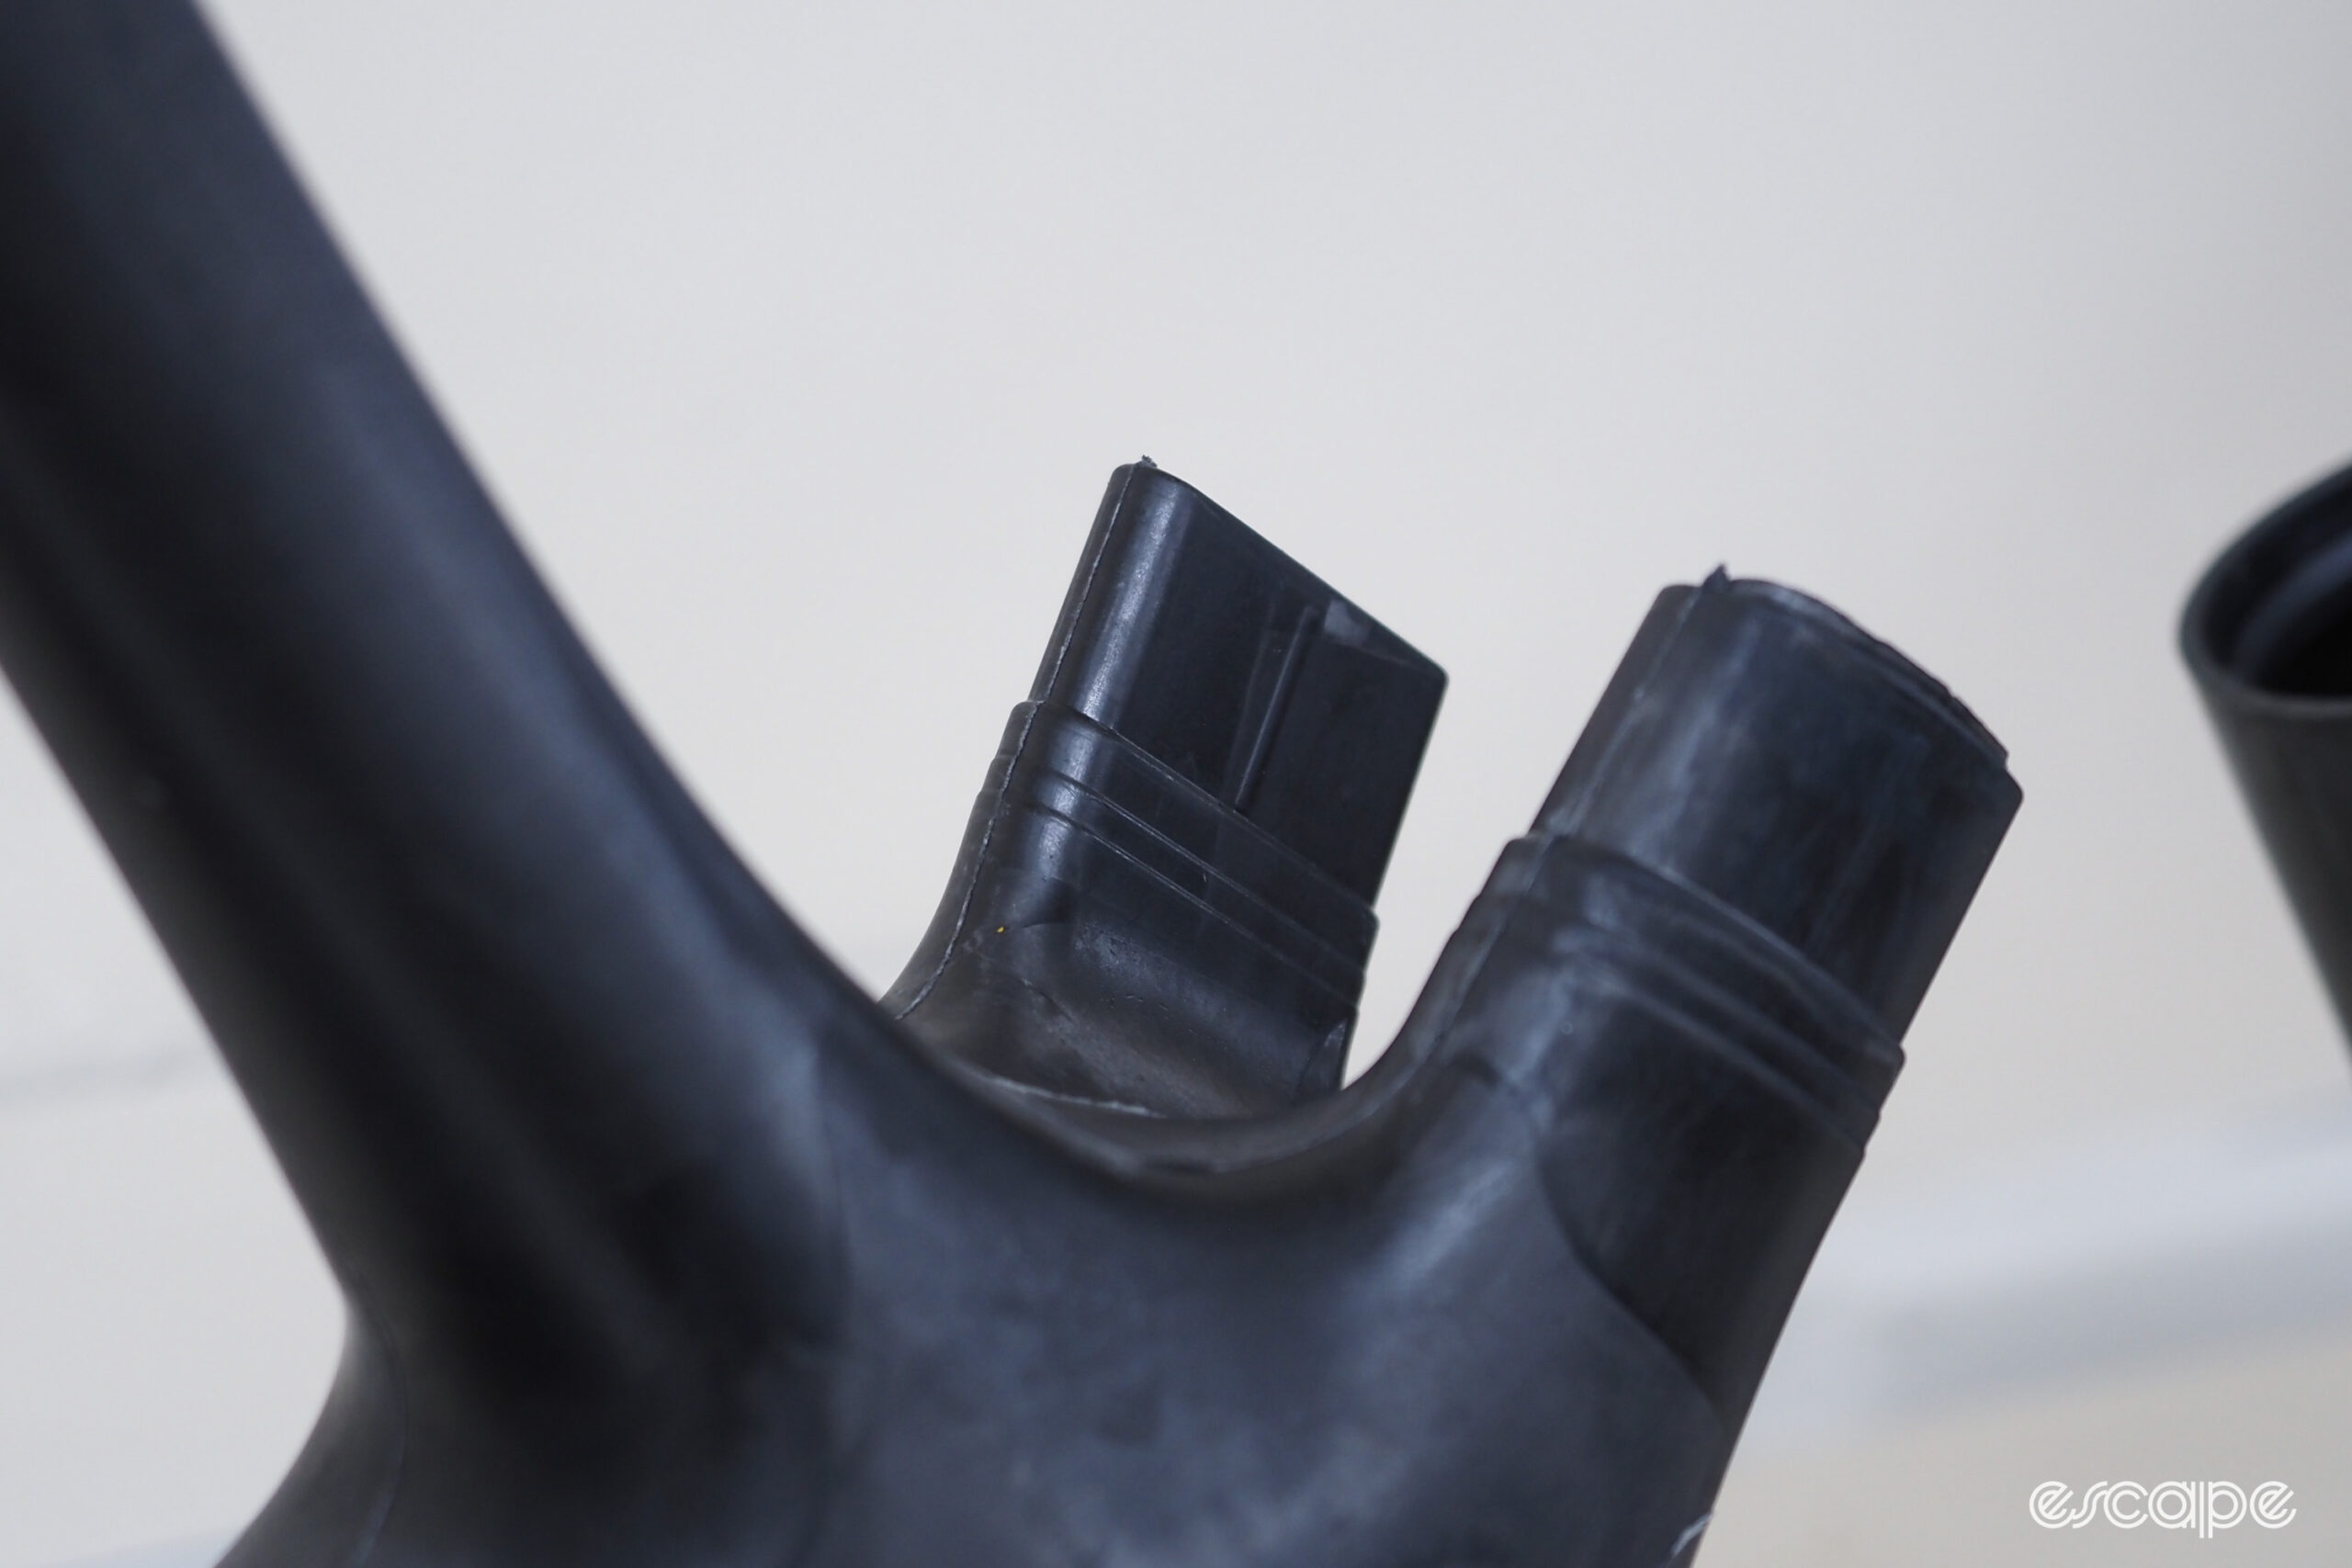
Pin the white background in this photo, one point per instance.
(798, 342)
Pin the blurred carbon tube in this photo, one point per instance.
(2267, 635)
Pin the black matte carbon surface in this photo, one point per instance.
(1191, 810)
(2267, 635)
(663, 1244)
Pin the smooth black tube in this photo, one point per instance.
(2267, 636)
(662, 1245)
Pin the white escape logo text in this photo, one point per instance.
(2200, 1506)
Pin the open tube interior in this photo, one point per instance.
(2276, 612)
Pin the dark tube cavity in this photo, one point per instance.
(2268, 637)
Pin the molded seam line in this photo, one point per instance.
(987, 834)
